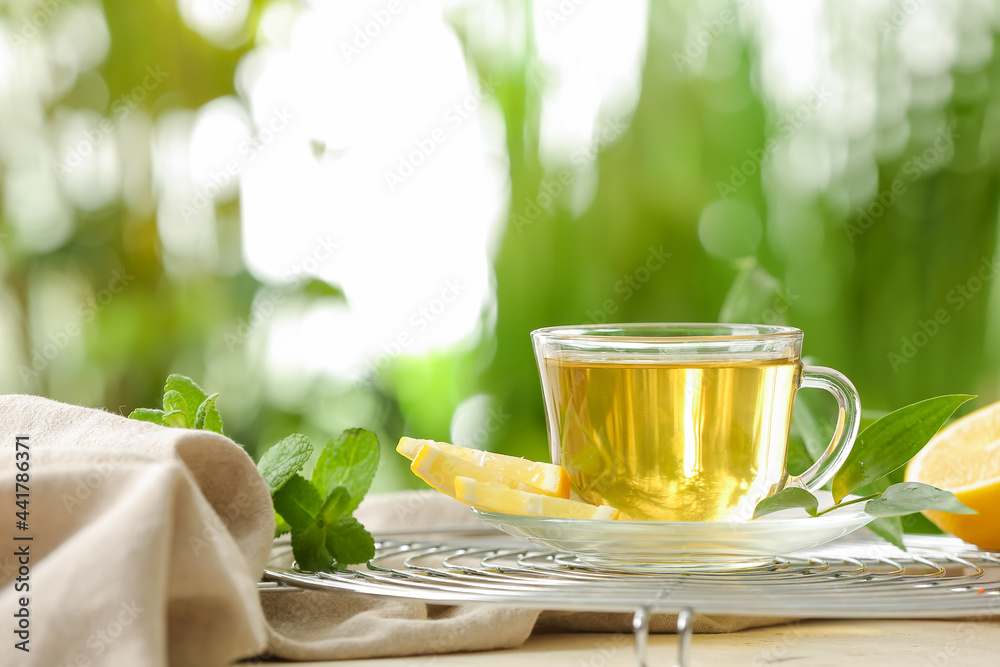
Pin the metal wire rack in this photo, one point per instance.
(851, 578)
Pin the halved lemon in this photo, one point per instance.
(964, 458)
(496, 497)
(545, 478)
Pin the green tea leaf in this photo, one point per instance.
(208, 417)
(149, 415)
(918, 524)
(190, 396)
(892, 441)
(348, 460)
(349, 542)
(283, 460)
(910, 497)
(320, 288)
(336, 506)
(792, 497)
(754, 295)
(298, 502)
(890, 529)
(309, 549)
(798, 459)
(810, 425)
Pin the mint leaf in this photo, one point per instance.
(297, 502)
(175, 419)
(349, 542)
(348, 460)
(208, 417)
(336, 506)
(148, 415)
(309, 549)
(910, 497)
(173, 403)
(890, 529)
(329, 534)
(892, 441)
(789, 498)
(280, 526)
(283, 460)
(190, 396)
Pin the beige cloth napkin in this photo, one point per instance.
(146, 546)
(147, 543)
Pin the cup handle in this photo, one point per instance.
(848, 420)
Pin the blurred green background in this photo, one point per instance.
(829, 164)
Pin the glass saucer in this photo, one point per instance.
(681, 545)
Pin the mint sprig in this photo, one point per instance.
(185, 405)
(318, 512)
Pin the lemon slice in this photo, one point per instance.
(964, 458)
(500, 498)
(439, 469)
(545, 478)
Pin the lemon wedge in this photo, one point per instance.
(450, 461)
(496, 497)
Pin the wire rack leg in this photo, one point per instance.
(685, 628)
(640, 627)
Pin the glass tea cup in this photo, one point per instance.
(683, 422)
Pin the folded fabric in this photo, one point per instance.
(143, 545)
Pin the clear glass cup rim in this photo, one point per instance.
(667, 332)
